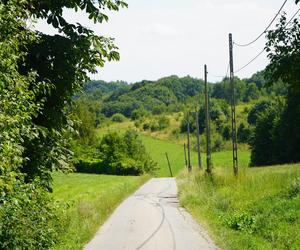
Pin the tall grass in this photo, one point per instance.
(260, 209)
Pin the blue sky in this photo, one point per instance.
(158, 38)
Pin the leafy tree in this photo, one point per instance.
(21, 226)
(62, 60)
(284, 53)
(257, 110)
(124, 155)
(86, 123)
(244, 133)
(266, 144)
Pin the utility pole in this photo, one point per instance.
(170, 169)
(207, 125)
(189, 142)
(198, 140)
(185, 158)
(233, 120)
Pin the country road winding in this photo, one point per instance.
(151, 219)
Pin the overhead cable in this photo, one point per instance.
(253, 41)
(260, 53)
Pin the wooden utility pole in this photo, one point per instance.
(170, 169)
(189, 142)
(207, 125)
(198, 140)
(185, 158)
(233, 120)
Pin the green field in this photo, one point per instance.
(258, 210)
(92, 199)
(157, 149)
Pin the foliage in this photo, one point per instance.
(20, 224)
(256, 111)
(266, 146)
(29, 218)
(124, 155)
(62, 60)
(219, 114)
(241, 222)
(118, 117)
(156, 97)
(283, 51)
(84, 113)
(244, 133)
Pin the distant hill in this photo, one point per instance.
(170, 93)
(153, 96)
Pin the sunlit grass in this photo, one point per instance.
(264, 202)
(92, 199)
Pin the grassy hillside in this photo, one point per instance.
(92, 199)
(258, 210)
(161, 142)
(157, 149)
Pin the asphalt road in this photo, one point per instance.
(151, 219)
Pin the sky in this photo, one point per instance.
(158, 38)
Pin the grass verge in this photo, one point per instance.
(92, 199)
(260, 209)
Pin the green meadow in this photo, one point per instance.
(92, 198)
(158, 148)
(259, 209)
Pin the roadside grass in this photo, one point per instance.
(92, 198)
(260, 209)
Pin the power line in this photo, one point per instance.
(260, 53)
(247, 44)
(292, 18)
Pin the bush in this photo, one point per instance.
(154, 127)
(163, 122)
(118, 118)
(124, 155)
(146, 126)
(29, 219)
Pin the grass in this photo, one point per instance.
(92, 199)
(258, 210)
(157, 149)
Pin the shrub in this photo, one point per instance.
(163, 122)
(118, 118)
(154, 126)
(242, 222)
(28, 218)
(146, 126)
(124, 155)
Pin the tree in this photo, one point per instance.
(22, 227)
(267, 142)
(283, 49)
(63, 61)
